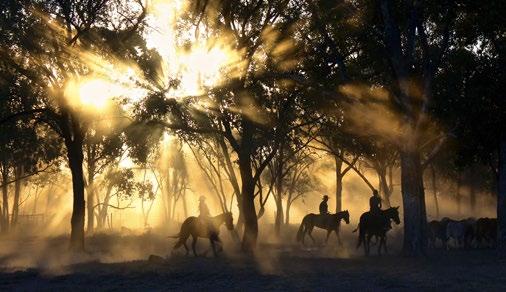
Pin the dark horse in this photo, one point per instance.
(376, 225)
(328, 222)
(197, 227)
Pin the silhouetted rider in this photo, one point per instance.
(375, 202)
(203, 209)
(324, 207)
(205, 215)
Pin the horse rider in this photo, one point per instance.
(324, 207)
(204, 214)
(375, 208)
(375, 203)
(203, 209)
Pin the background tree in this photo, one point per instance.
(55, 40)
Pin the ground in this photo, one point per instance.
(115, 262)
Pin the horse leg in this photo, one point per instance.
(186, 248)
(367, 244)
(310, 235)
(328, 235)
(338, 238)
(304, 230)
(366, 252)
(382, 243)
(213, 247)
(194, 244)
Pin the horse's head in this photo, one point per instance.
(346, 216)
(393, 214)
(229, 220)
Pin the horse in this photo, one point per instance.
(457, 231)
(461, 231)
(486, 231)
(376, 225)
(197, 227)
(437, 230)
(329, 222)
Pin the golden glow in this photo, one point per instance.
(92, 94)
(201, 62)
(194, 61)
(95, 93)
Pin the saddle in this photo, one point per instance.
(377, 218)
(206, 226)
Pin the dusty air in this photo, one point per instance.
(252, 145)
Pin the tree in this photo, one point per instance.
(103, 145)
(413, 75)
(211, 159)
(24, 148)
(285, 171)
(300, 182)
(118, 183)
(246, 110)
(382, 158)
(173, 176)
(146, 194)
(55, 41)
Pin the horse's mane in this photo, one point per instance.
(391, 209)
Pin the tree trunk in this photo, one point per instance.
(458, 196)
(384, 189)
(185, 203)
(240, 220)
(415, 220)
(248, 204)
(168, 193)
(75, 157)
(390, 191)
(90, 204)
(434, 190)
(17, 193)
(287, 211)
(501, 198)
(102, 212)
(163, 192)
(233, 180)
(279, 215)
(279, 192)
(339, 185)
(5, 200)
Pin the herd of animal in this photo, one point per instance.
(466, 233)
(445, 233)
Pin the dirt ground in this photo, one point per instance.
(120, 262)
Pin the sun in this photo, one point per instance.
(93, 94)
(202, 62)
(96, 93)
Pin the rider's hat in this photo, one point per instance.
(325, 197)
(202, 198)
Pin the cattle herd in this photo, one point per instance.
(466, 233)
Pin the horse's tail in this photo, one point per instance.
(300, 233)
(183, 234)
(178, 244)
